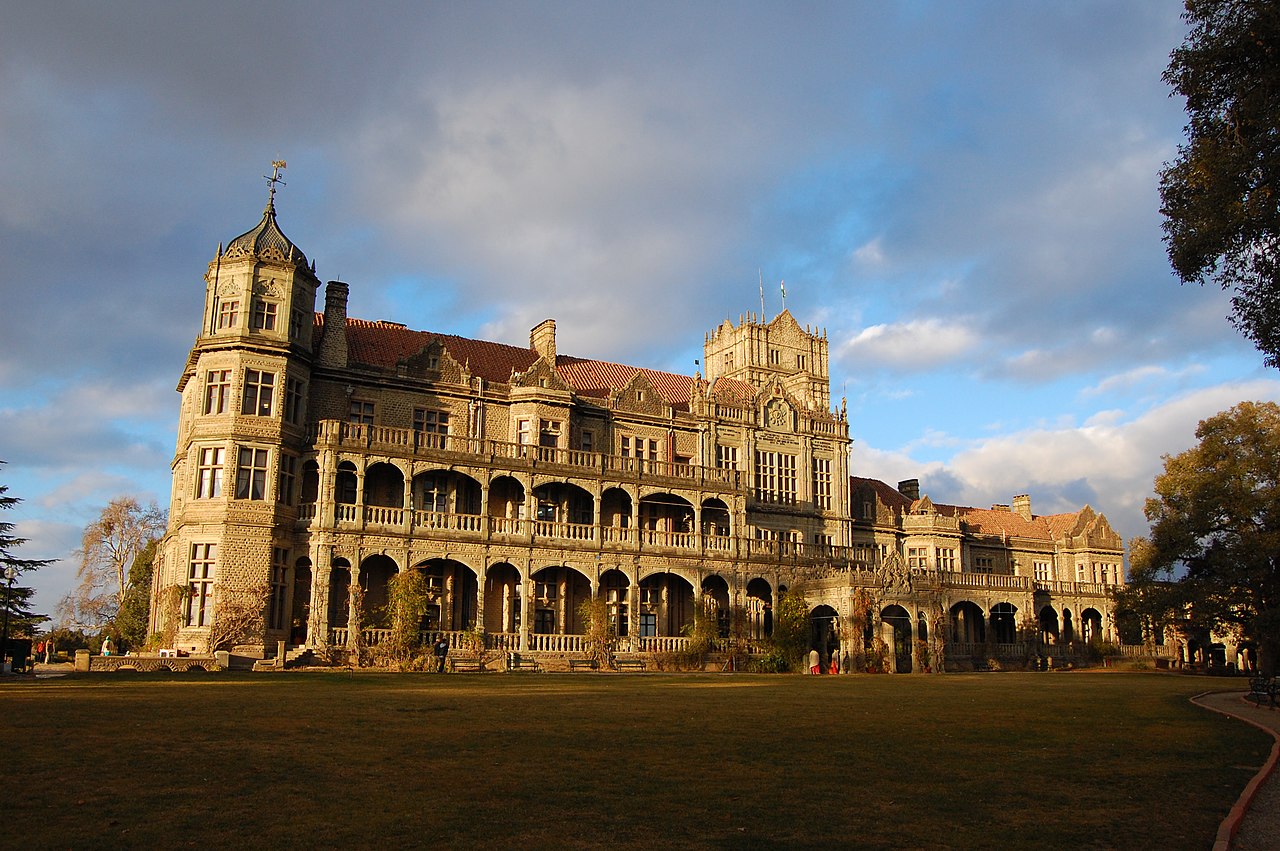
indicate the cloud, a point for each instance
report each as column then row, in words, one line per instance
column 913, row 345
column 1110, row 462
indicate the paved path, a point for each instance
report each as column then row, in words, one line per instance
column 1254, row 822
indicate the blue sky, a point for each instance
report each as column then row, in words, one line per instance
column 963, row 194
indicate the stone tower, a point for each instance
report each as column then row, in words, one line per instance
column 241, row 432
column 755, row 352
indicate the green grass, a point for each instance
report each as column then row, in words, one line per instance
column 335, row 760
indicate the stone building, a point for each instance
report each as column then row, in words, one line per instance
column 317, row 451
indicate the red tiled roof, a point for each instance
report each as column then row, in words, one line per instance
column 887, row 493
column 384, row 344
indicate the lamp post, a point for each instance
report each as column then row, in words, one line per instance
column 10, row 574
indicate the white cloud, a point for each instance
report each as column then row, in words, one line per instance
column 913, row 345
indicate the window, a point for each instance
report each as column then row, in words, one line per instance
column 228, row 314
column 544, row 590
column 279, row 573
column 544, row 622
column 588, row 441
column 435, row 494
column 648, row 624
column 294, row 392
column 209, row 472
column 801, row 362
column 549, row 433
column 287, row 479
column 200, row 584
column 524, row 432
column 361, row 413
column 1080, row 572
column 822, row 483
column 946, row 558
column 917, row 558
column 264, row 315
column 775, row 357
column 776, row 477
column 822, row 540
column 616, row 600
column 727, row 457
column 251, row 474
column 259, row 387
column 1041, row 571
column 217, row 390
column 430, row 427
column 984, row 564
column 728, row 362
column 297, row 318
column 650, row 596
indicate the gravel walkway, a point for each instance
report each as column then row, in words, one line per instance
column 1254, row 822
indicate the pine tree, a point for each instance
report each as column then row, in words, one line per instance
column 16, row 599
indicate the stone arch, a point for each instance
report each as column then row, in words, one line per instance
column 346, row 484
column 824, row 635
column 896, row 630
column 502, row 597
column 339, row 593
column 759, row 608
column 1068, row 627
column 451, row 589
column 1049, row 633
column 310, row 491
column 384, row 485
column 563, row 502
column 1004, row 623
column 506, row 504
column 615, row 588
column 558, row 592
column 1090, row 625
column 300, row 614
column 717, row 520
column 663, row 515
column 968, row 626
column 615, row 509
column 666, row 604
column 375, row 578
column 445, row 492
column 716, row 600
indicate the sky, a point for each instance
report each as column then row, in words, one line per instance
column 962, row 194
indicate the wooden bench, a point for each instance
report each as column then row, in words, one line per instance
column 589, row 664
column 466, row 664
column 1260, row 689
column 515, row 663
column 629, row 665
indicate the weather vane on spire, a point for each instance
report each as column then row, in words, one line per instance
column 275, row 178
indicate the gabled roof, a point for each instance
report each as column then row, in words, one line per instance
column 383, row 345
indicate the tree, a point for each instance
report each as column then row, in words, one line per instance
column 791, row 628
column 132, row 621
column 108, row 548
column 1212, row 561
column 1220, row 197
column 599, row 638
column 16, row 600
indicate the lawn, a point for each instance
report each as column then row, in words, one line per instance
column 574, row 760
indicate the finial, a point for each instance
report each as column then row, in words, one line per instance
column 275, row 178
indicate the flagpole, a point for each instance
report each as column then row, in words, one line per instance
column 761, row 273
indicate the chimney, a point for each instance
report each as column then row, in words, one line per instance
column 542, row 339
column 333, row 345
column 910, row 488
column 1022, row 506
column 999, row 506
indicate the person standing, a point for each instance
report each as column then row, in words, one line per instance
column 441, row 650
column 815, row 662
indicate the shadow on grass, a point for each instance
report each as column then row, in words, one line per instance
column 334, row 760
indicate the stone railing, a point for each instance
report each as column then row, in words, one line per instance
column 403, row 441
column 86, row 662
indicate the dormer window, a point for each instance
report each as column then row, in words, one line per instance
column 228, row 314
column 264, row 315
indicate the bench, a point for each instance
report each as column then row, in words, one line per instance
column 589, row 664
column 629, row 665
column 515, row 663
column 1260, row 689
column 461, row 664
